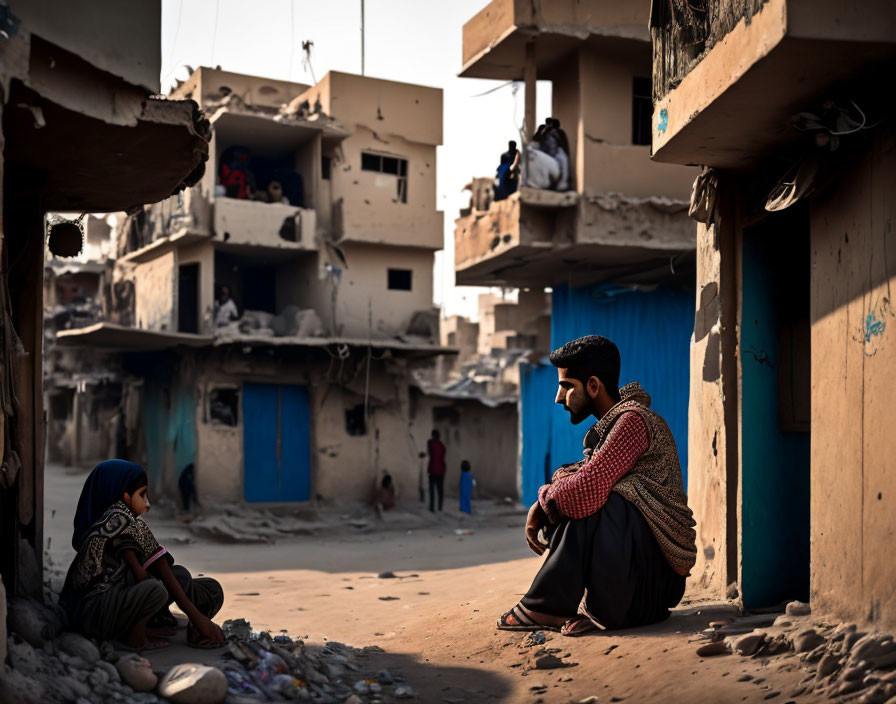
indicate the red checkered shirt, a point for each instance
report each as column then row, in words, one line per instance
column 582, row 489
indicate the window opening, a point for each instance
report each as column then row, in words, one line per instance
column 223, row 406
column 394, row 166
column 188, row 298
column 399, row 279
column 355, row 422
column 642, row 110
column 325, row 166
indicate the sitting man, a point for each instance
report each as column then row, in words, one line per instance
column 620, row 530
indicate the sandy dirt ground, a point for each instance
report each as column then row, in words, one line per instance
column 435, row 620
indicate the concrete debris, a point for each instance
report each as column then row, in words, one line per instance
column 252, row 667
column 718, row 647
column 194, row 684
column 32, row 621
column 136, row 672
column 797, row 608
column 842, row 661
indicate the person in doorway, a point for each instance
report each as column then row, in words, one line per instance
column 466, row 487
column 225, row 309
column 436, row 470
column 617, row 525
column 121, row 582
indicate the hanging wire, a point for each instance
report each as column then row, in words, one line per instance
column 215, row 32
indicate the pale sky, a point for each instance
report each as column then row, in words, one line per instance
column 416, row 41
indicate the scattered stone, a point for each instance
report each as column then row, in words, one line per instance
column 73, row 687
column 849, row 687
column 189, row 683
column 385, row 677
column 718, row 624
column 876, row 695
column 78, row 646
column 238, row 628
column 16, row 688
column 797, row 608
column 353, row 699
column 534, row 638
column 136, row 673
column 771, row 695
column 386, row 575
column 749, row 643
column 732, row 592
column 31, row 620
column 589, row 700
column 855, row 672
column 22, row 656
column 827, row 666
column 549, row 661
column 783, row 621
column 403, row 692
column 719, row 647
column 879, row 650
column 807, row 640
column 745, row 678
column 389, row 598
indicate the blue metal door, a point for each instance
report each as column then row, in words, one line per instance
column 276, row 443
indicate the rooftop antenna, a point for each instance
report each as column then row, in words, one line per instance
column 306, row 61
column 362, row 37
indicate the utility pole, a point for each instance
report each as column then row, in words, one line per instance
column 362, row 37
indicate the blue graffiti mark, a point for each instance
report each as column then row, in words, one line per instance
column 873, row 326
column 9, row 23
column 663, row 123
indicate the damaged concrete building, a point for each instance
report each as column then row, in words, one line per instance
column 82, row 130
column 616, row 246
column 786, row 104
column 282, row 304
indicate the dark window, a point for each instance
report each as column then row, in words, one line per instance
column 325, row 162
column 188, row 298
column 400, row 279
column 389, row 165
column 355, row 423
column 223, row 406
column 642, row 110
column 371, row 162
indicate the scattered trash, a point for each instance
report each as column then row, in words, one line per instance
column 464, row 531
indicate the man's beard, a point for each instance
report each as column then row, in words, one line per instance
column 576, row 417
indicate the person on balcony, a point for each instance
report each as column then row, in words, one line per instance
column 507, row 176
column 225, row 309
column 618, row 528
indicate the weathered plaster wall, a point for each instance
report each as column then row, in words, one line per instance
column 363, row 302
column 853, row 357
column 486, row 437
column 258, row 224
column 205, row 86
column 156, row 293
column 343, row 466
column 370, row 208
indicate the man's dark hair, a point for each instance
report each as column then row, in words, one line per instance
column 435, row 434
column 511, row 144
column 590, row 356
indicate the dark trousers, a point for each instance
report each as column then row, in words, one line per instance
column 613, row 560
column 205, row 593
column 436, row 484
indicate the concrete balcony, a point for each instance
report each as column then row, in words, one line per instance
column 733, row 105
column 494, row 40
column 542, row 238
column 248, row 223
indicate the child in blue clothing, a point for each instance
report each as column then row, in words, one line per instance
column 466, row 487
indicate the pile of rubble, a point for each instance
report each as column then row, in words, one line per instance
column 842, row 660
column 47, row 664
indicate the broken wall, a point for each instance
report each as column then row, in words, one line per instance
column 155, row 285
column 370, row 209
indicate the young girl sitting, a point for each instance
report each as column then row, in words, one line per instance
column 112, row 590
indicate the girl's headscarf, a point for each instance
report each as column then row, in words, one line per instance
column 105, row 485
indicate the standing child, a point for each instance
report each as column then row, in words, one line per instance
column 466, row 487
column 121, row 578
